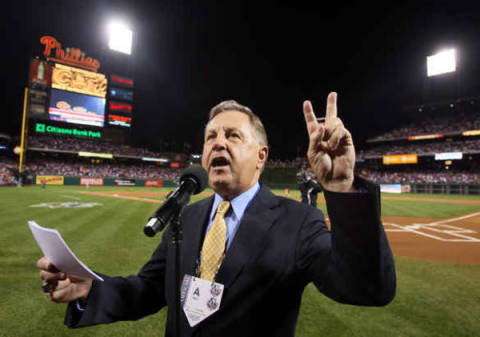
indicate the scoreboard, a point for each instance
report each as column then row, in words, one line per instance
column 65, row 87
column 72, row 95
column 120, row 108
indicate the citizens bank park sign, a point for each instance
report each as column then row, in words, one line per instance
column 72, row 56
column 56, row 130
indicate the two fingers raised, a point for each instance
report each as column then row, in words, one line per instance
column 328, row 135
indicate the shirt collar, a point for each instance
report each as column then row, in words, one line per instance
column 239, row 203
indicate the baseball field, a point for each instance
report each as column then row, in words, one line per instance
column 435, row 240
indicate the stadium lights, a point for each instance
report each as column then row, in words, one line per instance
column 441, row 63
column 120, row 37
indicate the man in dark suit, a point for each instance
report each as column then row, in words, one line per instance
column 273, row 246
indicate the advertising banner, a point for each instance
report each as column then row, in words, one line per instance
column 153, row 183
column 400, row 159
column 121, row 94
column 50, row 180
column 448, row 155
column 119, row 107
column 121, row 81
column 390, row 188
column 87, row 181
column 56, row 130
column 119, row 120
column 124, row 182
column 40, row 74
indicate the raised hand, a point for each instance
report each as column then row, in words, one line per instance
column 330, row 151
column 61, row 287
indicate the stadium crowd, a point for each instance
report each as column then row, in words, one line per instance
column 77, row 144
column 453, row 122
column 464, row 146
column 7, row 169
column 70, row 167
column 112, row 170
column 424, row 177
column 77, row 167
column 277, row 163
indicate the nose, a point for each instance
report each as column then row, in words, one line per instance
column 219, row 142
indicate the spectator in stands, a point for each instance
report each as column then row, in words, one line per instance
column 431, row 148
column 7, row 168
column 421, row 177
column 78, row 144
column 449, row 122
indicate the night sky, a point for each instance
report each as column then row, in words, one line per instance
column 190, row 55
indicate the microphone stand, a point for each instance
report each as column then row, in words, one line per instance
column 177, row 240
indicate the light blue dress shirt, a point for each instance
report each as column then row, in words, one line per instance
column 234, row 216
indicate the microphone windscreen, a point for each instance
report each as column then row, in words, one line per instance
column 198, row 173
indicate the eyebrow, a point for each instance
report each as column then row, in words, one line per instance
column 227, row 129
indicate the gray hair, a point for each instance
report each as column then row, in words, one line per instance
column 255, row 122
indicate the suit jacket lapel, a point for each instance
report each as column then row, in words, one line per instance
column 193, row 231
column 256, row 221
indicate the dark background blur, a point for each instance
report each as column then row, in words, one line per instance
column 188, row 56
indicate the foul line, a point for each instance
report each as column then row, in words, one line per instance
column 457, row 232
column 455, row 219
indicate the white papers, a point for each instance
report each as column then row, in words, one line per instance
column 56, row 250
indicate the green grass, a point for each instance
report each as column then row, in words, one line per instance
column 433, row 299
column 417, row 208
column 422, row 209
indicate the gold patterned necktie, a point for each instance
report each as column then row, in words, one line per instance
column 214, row 244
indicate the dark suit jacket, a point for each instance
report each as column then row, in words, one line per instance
column 281, row 245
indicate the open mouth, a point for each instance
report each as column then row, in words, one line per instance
column 219, row 162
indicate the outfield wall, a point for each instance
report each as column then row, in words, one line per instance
column 271, row 180
column 445, row 188
column 279, row 177
column 95, row 181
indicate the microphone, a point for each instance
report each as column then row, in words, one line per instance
column 192, row 181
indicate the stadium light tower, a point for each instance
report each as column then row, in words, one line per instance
column 442, row 62
column 120, row 37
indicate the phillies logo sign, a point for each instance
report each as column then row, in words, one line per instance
column 71, row 56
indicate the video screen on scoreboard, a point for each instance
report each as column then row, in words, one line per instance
column 118, row 120
column 76, row 108
column 79, row 81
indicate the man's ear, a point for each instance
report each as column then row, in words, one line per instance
column 262, row 156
